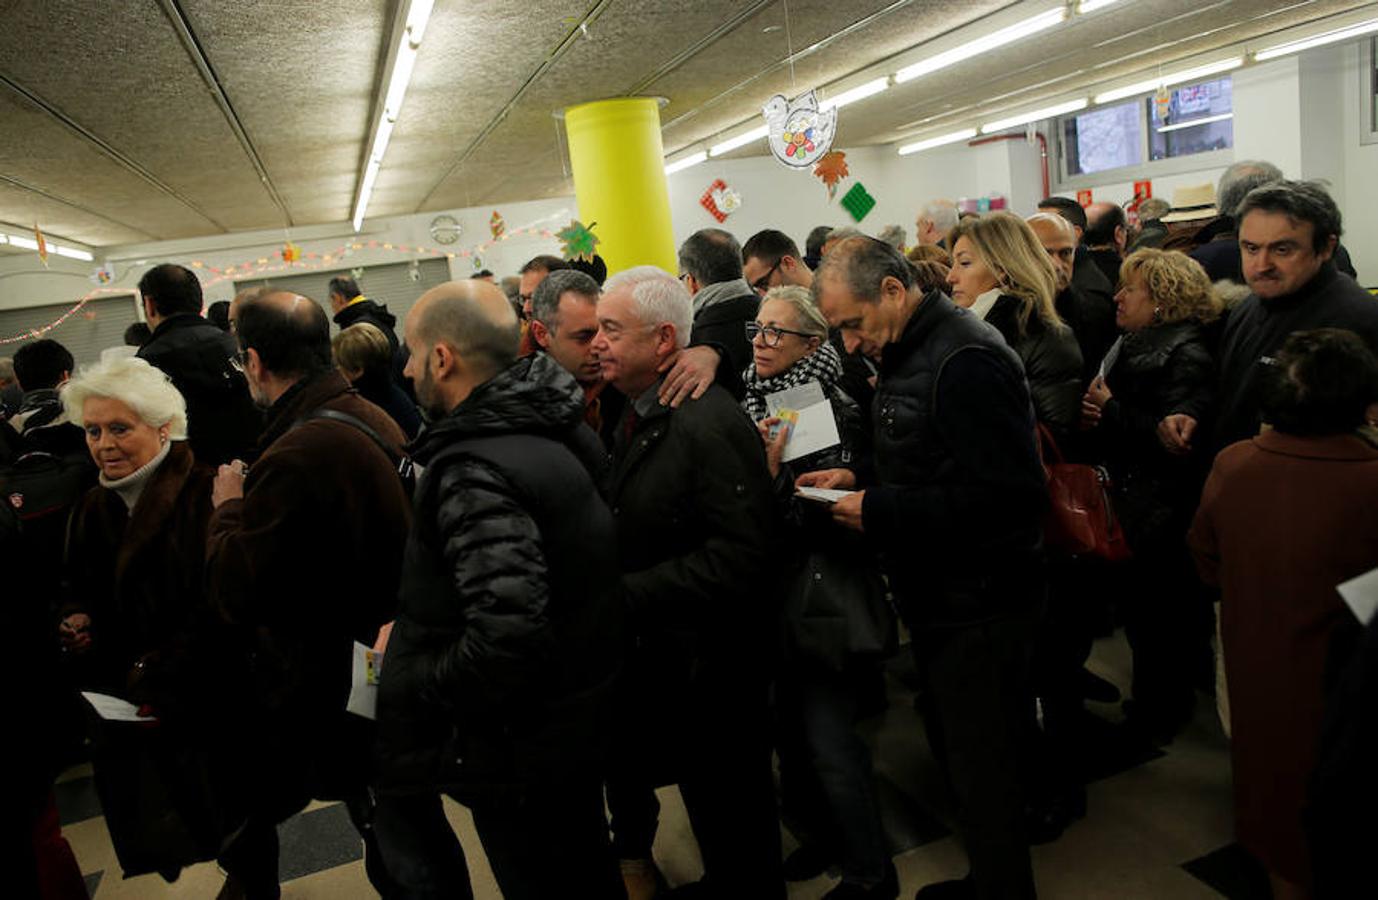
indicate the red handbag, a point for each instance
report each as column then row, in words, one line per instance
column 1081, row 519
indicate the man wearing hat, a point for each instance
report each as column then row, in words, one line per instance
column 1152, row 231
column 1193, row 207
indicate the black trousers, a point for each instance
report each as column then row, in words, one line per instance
column 1169, row 623
column 977, row 711
column 541, row 841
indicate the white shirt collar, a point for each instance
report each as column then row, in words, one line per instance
column 983, row 303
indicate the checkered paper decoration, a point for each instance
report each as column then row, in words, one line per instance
column 708, row 202
column 858, row 202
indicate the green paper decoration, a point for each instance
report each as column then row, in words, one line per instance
column 858, row 202
column 578, row 240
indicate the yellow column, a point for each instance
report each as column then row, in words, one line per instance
column 619, row 181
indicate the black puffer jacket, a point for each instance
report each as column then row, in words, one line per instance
column 377, row 314
column 1052, row 364
column 1160, row 371
column 509, row 633
column 1092, row 321
column 222, row 421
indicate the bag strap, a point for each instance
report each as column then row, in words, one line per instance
column 1047, row 445
column 400, row 462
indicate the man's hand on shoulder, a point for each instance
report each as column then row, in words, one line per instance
column 691, row 370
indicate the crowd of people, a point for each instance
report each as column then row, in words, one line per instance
column 569, row 519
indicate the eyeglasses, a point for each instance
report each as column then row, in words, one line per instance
column 771, row 334
column 762, row 284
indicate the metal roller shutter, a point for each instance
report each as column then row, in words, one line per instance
column 99, row 324
column 389, row 284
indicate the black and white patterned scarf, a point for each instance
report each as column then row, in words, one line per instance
column 822, row 365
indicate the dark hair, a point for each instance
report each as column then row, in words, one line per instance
column 863, row 263
column 545, row 300
column 40, row 364
column 137, row 334
column 1322, row 382
column 1070, row 210
column 594, row 268
column 219, row 313
column 346, row 287
column 712, row 256
column 770, row 246
column 172, row 288
column 813, row 244
column 547, row 262
column 484, row 273
column 1302, row 201
column 290, row 340
column 930, row 274
column 1102, row 230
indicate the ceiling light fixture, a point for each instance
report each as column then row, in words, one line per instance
column 1192, row 123
column 1152, row 84
column 965, row 134
column 26, row 243
column 403, row 60
column 1030, row 26
column 1034, row 116
column 861, row 92
column 1087, row 6
column 1320, row 40
column 741, row 140
column 680, row 165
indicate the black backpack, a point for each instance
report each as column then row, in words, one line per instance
column 42, row 488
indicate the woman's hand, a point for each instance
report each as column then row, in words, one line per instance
column 75, row 632
column 775, row 445
column 828, row 479
column 1098, row 393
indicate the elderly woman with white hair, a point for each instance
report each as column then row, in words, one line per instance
column 136, row 623
column 837, row 624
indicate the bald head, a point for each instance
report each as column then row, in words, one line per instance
column 1059, row 239
column 290, row 333
column 471, row 317
column 1106, row 225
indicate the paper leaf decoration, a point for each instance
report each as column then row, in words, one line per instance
column 798, row 133
column 42, row 245
column 578, row 240
column 497, row 225
column 831, row 169
column 858, row 202
column 290, row 253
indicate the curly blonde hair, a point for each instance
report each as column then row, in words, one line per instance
column 1014, row 255
column 1180, row 288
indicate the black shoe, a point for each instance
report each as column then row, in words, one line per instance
column 1094, row 687
column 960, row 889
column 1155, row 725
column 888, row 888
column 807, row 862
column 1044, row 822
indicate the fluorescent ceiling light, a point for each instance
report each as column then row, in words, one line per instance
column 3, row 239
column 869, row 89
column 680, row 165
column 1320, row 40
column 965, row 134
column 1152, row 84
column 72, row 253
column 1033, row 25
column 740, row 140
column 26, row 243
column 1087, row 6
column 1191, row 123
column 1034, row 116
column 398, row 78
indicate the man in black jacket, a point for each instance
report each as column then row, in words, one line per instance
column 1092, row 320
column 508, row 637
column 691, row 494
column 351, row 307
column 1107, row 232
column 710, row 266
column 201, row 360
column 1087, row 277
column 1288, row 232
column 957, row 518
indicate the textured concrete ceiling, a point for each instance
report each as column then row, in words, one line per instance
column 111, row 130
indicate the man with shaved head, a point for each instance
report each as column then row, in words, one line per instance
column 1091, row 319
column 956, row 514
column 306, row 551
column 1107, row 233
column 1086, row 275
column 508, row 636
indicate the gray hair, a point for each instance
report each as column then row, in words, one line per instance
column 862, row 263
column 712, row 256
column 1239, row 179
column 892, row 235
column 806, row 312
column 942, row 213
column 659, row 298
column 136, row 384
column 838, row 235
column 545, row 301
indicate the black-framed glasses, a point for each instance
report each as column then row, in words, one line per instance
column 762, row 284
column 770, row 333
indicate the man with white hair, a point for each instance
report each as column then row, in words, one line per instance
column 691, row 494
column 935, row 220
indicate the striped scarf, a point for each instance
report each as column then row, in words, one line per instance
column 823, row 365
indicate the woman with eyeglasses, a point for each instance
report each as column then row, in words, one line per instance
column 837, row 624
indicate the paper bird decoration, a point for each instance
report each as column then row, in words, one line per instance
column 578, row 240
column 832, row 168
column 42, row 245
column 290, row 253
column 798, row 133
column 497, row 225
column 858, row 202
column 103, row 275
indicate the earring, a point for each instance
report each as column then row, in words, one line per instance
column 1157, row 314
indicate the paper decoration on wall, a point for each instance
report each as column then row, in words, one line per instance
column 799, row 135
column 356, row 274
column 42, row 245
column 497, row 225
column 720, row 200
column 414, row 270
column 1163, row 101
column 290, row 253
column 858, row 202
column 831, row 169
column 104, row 275
column 578, row 240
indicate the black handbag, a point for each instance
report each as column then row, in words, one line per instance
column 838, row 612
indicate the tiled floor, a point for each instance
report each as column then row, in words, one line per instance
column 1158, row 824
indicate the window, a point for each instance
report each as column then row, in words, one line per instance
column 1101, row 139
column 1197, row 118
column 1368, row 91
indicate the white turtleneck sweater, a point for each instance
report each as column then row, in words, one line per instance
column 981, row 308
column 132, row 485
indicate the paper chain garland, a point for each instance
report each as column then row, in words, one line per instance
column 265, row 265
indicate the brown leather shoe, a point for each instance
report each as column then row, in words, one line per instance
column 642, row 879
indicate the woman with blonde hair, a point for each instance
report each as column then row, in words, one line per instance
column 364, row 356
column 1002, row 274
column 1160, row 367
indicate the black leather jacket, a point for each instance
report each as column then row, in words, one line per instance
column 1052, row 363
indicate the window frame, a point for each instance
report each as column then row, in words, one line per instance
column 1150, row 168
column 1368, row 91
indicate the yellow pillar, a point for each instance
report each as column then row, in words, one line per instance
column 619, row 181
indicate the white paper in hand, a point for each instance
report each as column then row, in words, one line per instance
column 813, row 426
column 822, row 495
column 113, row 709
column 1361, row 595
column 363, row 691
